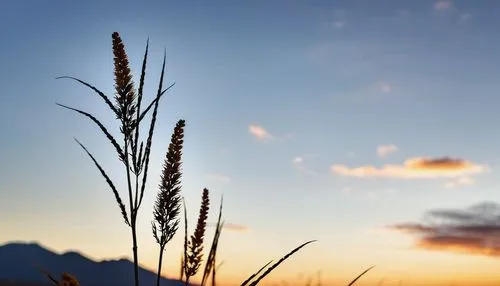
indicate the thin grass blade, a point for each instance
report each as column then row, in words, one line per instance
column 110, row 183
column 154, row 102
column 213, row 249
column 359, row 276
column 149, row 141
column 279, row 262
column 255, row 274
column 135, row 158
column 215, row 270
column 110, row 137
column 143, row 70
column 100, row 93
column 47, row 274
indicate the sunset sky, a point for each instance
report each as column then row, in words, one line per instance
column 370, row 126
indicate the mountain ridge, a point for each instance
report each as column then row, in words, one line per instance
column 22, row 262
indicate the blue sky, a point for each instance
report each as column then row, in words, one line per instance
column 301, row 113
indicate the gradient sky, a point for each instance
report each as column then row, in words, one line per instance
column 348, row 122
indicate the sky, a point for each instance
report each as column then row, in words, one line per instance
column 369, row 126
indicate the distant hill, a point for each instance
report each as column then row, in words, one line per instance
column 18, row 263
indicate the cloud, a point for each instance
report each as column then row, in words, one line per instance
column 338, row 24
column 441, row 5
column 474, row 231
column 384, row 150
column 259, row 132
column 371, row 195
column 403, row 13
column 299, row 163
column 390, row 191
column 347, row 190
column 462, row 181
column 232, row 227
column 465, row 16
column 414, row 168
column 219, row 178
column 235, row 227
column 384, row 87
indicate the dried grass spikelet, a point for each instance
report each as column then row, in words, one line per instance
column 195, row 245
column 125, row 95
column 68, row 280
column 167, row 205
column 168, row 201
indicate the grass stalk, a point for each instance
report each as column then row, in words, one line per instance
column 133, row 155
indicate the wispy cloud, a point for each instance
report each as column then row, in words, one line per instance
column 414, row 168
column 219, row 178
column 232, row 227
column 236, row 227
column 347, row 190
column 462, row 181
column 403, row 13
column 441, row 5
column 259, row 132
column 475, row 230
column 262, row 134
column 299, row 163
column 338, row 24
column 384, row 87
column 371, row 92
column 371, row 195
column 390, row 191
column 465, row 16
column 384, row 150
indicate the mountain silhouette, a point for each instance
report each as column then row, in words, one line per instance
column 19, row 262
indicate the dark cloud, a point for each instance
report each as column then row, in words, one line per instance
column 441, row 163
column 475, row 230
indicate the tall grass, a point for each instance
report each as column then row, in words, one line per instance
column 133, row 150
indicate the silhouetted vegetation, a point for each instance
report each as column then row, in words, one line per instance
column 135, row 153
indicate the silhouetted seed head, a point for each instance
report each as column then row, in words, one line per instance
column 167, row 205
column 124, row 86
column 195, row 245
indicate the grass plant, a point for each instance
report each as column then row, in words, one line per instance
column 133, row 150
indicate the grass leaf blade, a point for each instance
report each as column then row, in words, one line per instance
column 149, row 141
column 110, row 183
column 101, row 126
column 100, row 93
column 279, row 262
column 213, row 249
column 359, row 276
column 255, row 274
column 154, row 102
column 136, row 159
